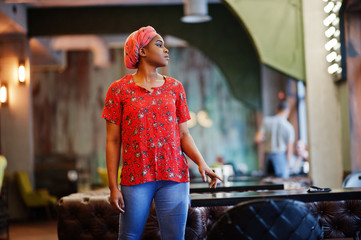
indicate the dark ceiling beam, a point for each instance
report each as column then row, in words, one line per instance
column 224, row 39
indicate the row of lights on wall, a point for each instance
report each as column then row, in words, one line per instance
column 333, row 45
column 21, row 76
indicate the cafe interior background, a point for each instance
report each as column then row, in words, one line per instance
column 235, row 67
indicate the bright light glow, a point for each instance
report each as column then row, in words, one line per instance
column 332, row 8
column 193, row 121
column 333, row 68
column 330, row 44
column 21, row 73
column 329, row 7
column 338, row 58
column 332, row 56
column 336, row 22
column 3, row 94
column 329, row 19
column 329, row 32
column 195, row 19
column 203, row 119
column 337, row 7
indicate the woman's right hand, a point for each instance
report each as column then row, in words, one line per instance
column 116, row 200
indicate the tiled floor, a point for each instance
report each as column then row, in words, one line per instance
column 35, row 230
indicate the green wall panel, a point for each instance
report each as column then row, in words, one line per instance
column 277, row 30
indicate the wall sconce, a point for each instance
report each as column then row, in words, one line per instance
column 4, row 94
column 195, row 11
column 201, row 117
column 21, row 72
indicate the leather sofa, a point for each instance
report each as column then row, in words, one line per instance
column 89, row 216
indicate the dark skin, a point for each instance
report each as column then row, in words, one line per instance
column 153, row 56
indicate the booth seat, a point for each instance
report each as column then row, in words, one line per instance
column 89, row 216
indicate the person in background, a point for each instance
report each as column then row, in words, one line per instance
column 299, row 163
column 278, row 136
column 146, row 113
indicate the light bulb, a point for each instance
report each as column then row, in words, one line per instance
column 329, row 19
column 333, row 68
column 21, row 73
column 3, row 94
column 329, row 7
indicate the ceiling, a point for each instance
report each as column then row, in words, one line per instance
column 76, row 3
column 8, row 26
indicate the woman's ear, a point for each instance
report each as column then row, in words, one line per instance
column 142, row 52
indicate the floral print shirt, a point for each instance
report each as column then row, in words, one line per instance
column 149, row 129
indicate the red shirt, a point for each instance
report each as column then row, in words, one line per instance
column 149, row 129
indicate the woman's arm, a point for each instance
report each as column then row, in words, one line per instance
column 112, row 158
column 259, row 137
column 190, row 148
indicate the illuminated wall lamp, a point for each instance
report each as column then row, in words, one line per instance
column 4, row 94
column 21, row 72
column 201, row 117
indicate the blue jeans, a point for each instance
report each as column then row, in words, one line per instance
column 171, row 203
column 279, row 162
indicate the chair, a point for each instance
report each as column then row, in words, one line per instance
column 352, row 180
column 270, row 219
column 33, row 198
column 3, row 164
column 4, row 209
column 103, row 174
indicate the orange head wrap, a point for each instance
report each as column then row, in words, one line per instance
column 137, row 40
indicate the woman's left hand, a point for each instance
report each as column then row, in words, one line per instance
column 205, row 171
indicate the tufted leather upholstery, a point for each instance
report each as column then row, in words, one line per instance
column 89, row 216
column 267, row 219
column 339, row 219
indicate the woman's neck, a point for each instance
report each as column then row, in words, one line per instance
column 147, row 74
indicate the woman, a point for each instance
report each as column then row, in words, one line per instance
column 146, row 113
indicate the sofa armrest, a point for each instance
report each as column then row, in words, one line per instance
column 82, row 216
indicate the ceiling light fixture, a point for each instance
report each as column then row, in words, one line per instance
column 195, row 11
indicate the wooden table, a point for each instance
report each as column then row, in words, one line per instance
column 228, row 199
column 234, row 186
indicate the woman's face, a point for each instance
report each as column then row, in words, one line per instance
column 156, row 53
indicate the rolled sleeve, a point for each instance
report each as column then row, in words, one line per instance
column 113, row 109
column 181, row 105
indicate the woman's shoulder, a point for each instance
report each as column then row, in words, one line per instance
column 173, row 81
column 120, row 83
